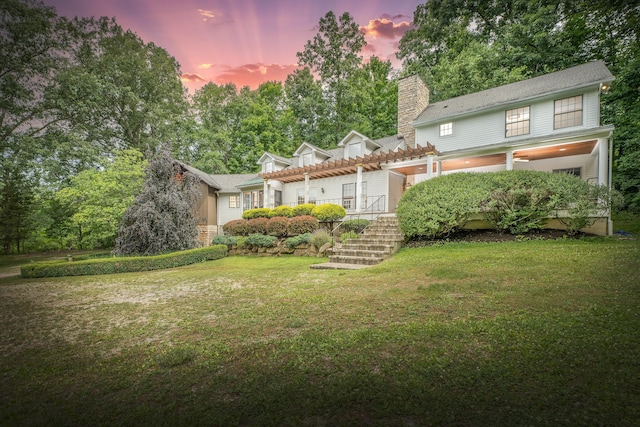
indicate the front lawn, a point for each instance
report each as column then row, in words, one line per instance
column 517, row 333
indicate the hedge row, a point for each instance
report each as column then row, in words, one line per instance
column 511, row 201
column 124, row 264
column 278, row 226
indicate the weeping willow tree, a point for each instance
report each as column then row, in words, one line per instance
column 163, row 217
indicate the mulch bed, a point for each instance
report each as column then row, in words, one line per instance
column 494, row 236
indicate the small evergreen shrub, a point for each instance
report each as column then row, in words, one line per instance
column 283, row 210
column 302, row 224
column 328, row 212
column 303, row 209
column 355, row 225
column 292, row 242
column 257, row 225
column 319, row 238
column 348, row 235
column 123, row 265
column 260, row 240
column 256, row 213
column 224, row 240
column 277, row 226
column 237, row 227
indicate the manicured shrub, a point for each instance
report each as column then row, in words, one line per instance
column 123, row 265
column 237, row 227
column 224, row 240
column 328, row 212
column 303, row 209
column 283, row 210
column 292, row 242
column 302, row 224
column 348, row 235
column 442, row 205
column 319, row 238
column 277, row 226
column 355, row 225
column 260, row 240
column 257, row 225
column 256, row 213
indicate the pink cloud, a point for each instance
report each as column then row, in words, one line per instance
column 385, row 28
column 253, row 75
column 191, row 77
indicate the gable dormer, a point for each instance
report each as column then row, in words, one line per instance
column 356, row 144
column 308, row 154
column 271, row 163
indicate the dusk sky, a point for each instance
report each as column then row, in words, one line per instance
column 245, row 42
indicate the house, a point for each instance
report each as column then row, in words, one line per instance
column 547, row 123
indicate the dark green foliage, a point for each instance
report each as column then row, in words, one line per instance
column 237, row 227
column 283, row 210
column 163, row 216
column 224, row 240
column 277, row 226
column 123, row 265
column 260, row 240
column 257, row 225
column 256, row 213
column 303, row 209
column 355, row 225
column 441, row 205
column 292, row 242
column 16, row 201
column 511, row 201
column 328, row 212
column 302, row 224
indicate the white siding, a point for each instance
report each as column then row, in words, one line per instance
column 225, row 213
column 489, row 128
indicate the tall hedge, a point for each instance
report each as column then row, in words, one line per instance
column 511, row 201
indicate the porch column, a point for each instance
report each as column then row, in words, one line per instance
column 430, row 166
column 509, row 160
column 603, row 162
column 265, row 193
column 358, row 188
column 439, row 168
column 306, row 187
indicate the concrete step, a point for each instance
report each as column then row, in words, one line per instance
column 354, row 245
column 364, row 253
column 346, row 259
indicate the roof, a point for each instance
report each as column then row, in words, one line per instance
column 313, row 147
column 585, row 75
column 229, row 183
column 203, row 176
column 275, row 157
column 253, row 181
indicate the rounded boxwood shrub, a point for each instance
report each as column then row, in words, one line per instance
column 237, row 227
column 328, row 212
column 303, row 209
column 256, row 213
column 257, row 225
column 260, row 240
column 283, row 210
column 277, row 226
column 302, row 224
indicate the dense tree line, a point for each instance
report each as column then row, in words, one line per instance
column 80, row 98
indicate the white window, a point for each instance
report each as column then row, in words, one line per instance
column 567, row 112
column 446, row 129
column 307, row 159
column 517, row 121
column 234, row 201
column 268, row 167
column 354, row 150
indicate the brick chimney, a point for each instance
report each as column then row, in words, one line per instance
column 413, row 98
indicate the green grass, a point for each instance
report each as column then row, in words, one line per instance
column 519, row 333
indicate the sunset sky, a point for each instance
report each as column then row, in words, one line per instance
column 245, row 42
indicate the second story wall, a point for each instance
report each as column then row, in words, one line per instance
column 489, row 127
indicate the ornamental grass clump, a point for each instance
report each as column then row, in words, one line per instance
column 319, row 238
